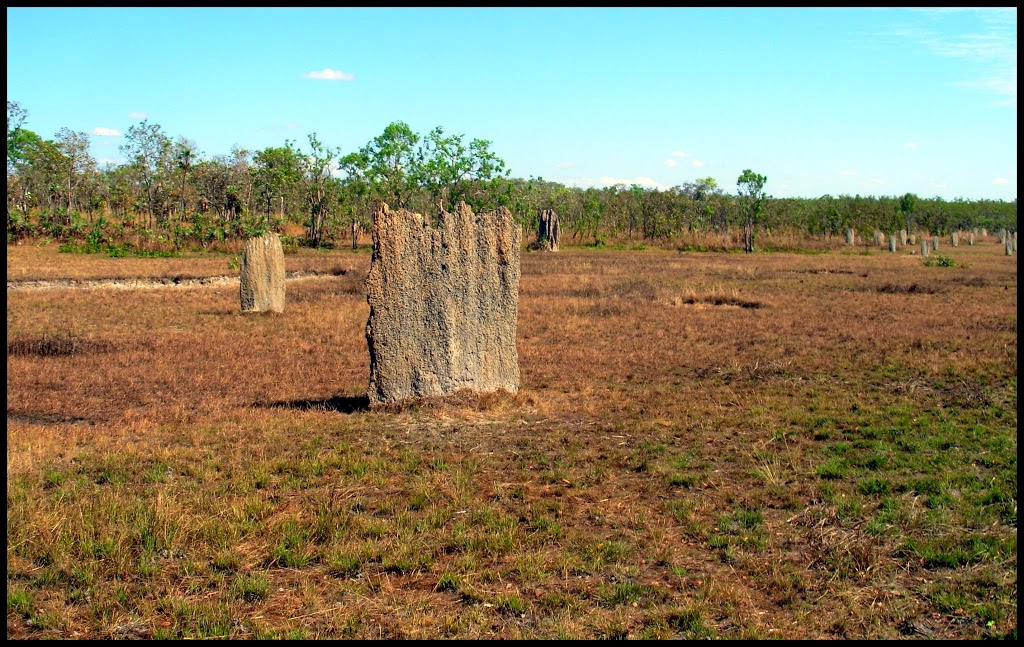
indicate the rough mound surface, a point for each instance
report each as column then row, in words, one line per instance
column 443, row 303
column 262, row 276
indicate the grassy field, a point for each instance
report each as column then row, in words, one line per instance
column 705, row 445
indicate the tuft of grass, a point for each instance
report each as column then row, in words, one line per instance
column 251, row 587
column 19, row 601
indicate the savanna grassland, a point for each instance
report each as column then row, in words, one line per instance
column 705, row 445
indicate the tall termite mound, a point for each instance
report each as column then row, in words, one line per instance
column 547, row 230
column 261, row 277
column 443, row 303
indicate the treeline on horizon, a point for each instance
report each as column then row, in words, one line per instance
column 167, row 194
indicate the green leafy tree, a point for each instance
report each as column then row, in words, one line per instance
column 750, row 187
column 74, row 146
column 356, row 195
column 16, row 118
column 146, row 145
column 316, row 167
column 184, row 158
column 908, row 205
column 450, row 170
column 24, row 148
column 242, row 181
column 700, row 192
column 212, row 178
column 390, row 164
column 277, row 173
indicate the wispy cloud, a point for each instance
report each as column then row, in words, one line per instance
column 1001, row 181
column 697, row 163
column 938, row 185
column 679, row 154
column 991, row 47
column 106, row 132
column 671, row 163
column 138, row 115
column 846, row 173
column 327, row 74
column 873, row 182
column 911, row 145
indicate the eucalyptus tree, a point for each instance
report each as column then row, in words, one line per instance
column 90, row 188
column 277, row 173
column 185, row 154
column 750, row 187
column 616, row 208
column 450, row 169
column 25, row 149
column 908, row 205
column 316, row 167
column 74, row 146
column 115, row 187
column 239, row 194
column 16, row 118
column 701, row 191
column 391, row 160
column 44, row 171
column 355, row 197
column 591, row 213
column 146, row 147
column 211, row 179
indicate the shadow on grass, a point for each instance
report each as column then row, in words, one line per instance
column 340, row 404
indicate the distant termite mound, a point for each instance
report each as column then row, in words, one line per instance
column 443, row 303
column 547, row 230
column 262, row 276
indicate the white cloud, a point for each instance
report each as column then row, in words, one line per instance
column 646, row 181
column 106, row 132
column 671, row 163
column 327, row 74
column 938, row 185
column 1002, row 181
column 874, row 182
column 138, row 115
column 608, row 180
column 697, row 163
column 846, row 173
column 679, row 154
column 911, row 145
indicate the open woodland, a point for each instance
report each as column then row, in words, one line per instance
column 812, row 443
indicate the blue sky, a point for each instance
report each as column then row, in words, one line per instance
column 840, row 101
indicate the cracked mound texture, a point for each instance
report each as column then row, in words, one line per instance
column 443, row 303
column 261, row 278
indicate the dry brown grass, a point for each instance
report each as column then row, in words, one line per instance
column 704, row 445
